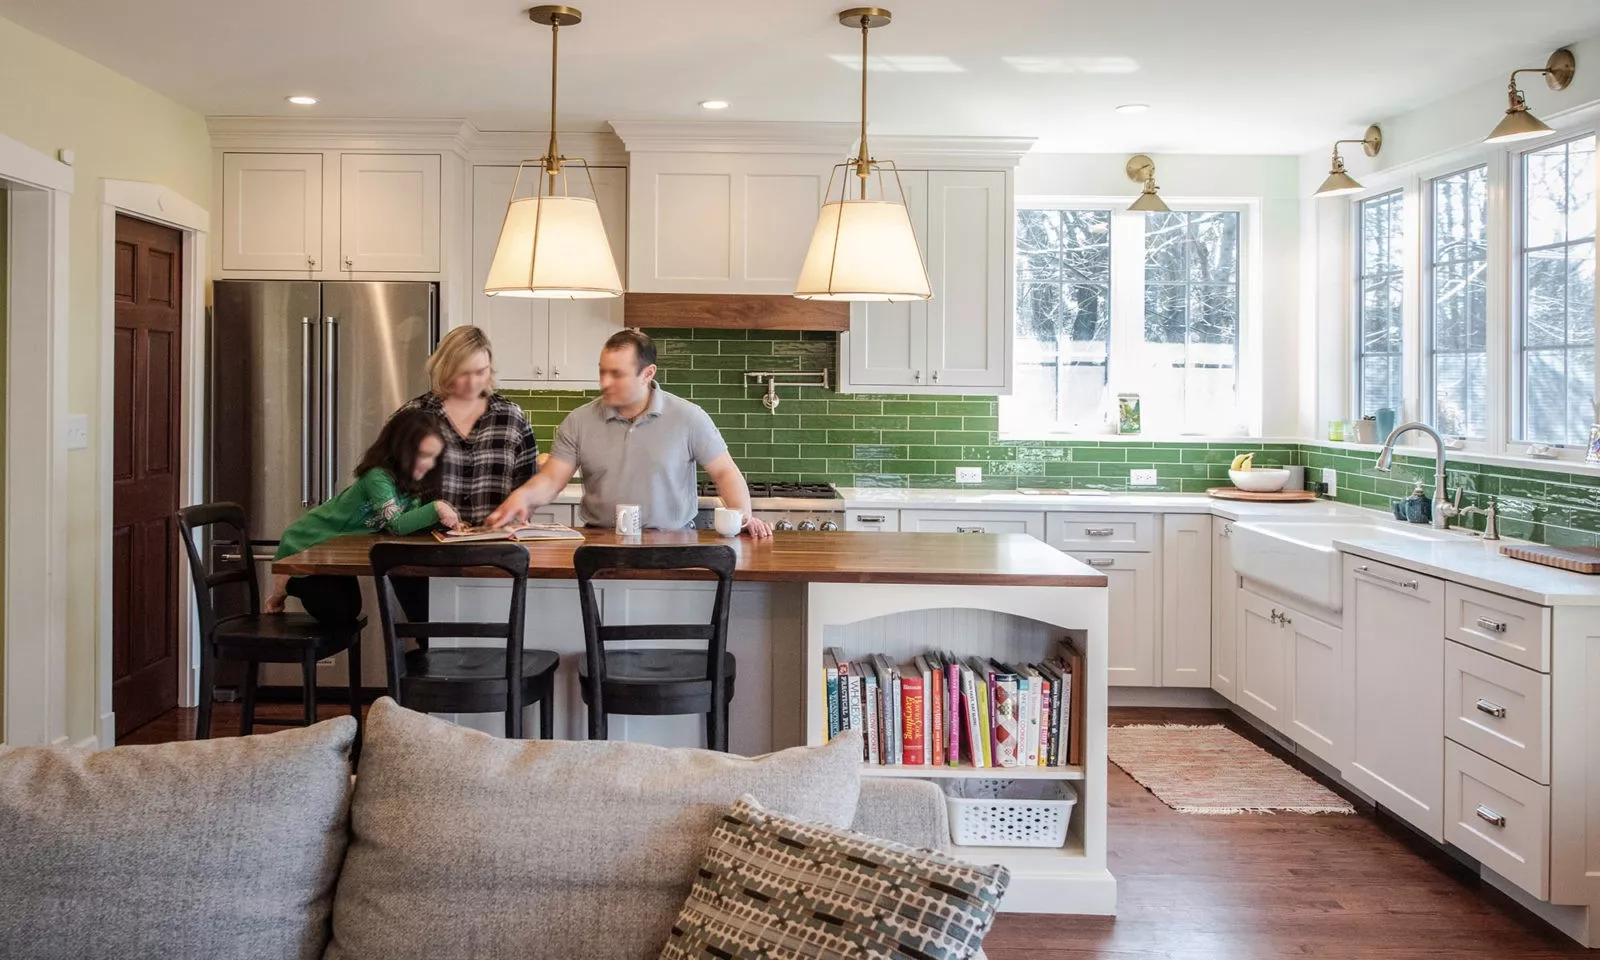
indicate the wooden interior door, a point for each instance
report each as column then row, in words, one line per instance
column 145, row 469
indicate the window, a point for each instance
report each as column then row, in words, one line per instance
column 1456, row 323
column 1555, row 308
column 1063, row 335
column 1380, row 288
column 1159, row 317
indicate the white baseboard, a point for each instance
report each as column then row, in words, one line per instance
column 108, row 730
column 1185, row 697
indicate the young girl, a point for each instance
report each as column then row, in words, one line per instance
column 393, row 493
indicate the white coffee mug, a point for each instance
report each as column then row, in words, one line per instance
column 728, row 521
column 628, row 519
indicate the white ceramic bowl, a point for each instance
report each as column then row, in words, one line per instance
column 1260, row 479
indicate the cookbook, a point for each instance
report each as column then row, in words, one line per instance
column 528, row 531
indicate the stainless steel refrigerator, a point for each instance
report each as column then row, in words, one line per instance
column 303, row 376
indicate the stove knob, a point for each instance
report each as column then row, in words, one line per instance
column 828, row 526
column 808, row 525
column 783, row 525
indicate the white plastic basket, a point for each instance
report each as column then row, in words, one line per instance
column 1009, row 813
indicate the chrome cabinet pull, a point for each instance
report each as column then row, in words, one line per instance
column 1227, row 530
column 935, row 376
column 1098, row 532
column 1493, row 626
column 1100, row 562
column 1491, row 708
column 1489, row 816
column 1407, row 584
column 961, row 529
column 871, row 518
column 917, row 376
column 349, row 263
column 307, row 340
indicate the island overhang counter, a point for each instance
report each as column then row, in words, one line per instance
column 1006, row 596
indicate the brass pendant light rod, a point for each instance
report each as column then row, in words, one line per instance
column 867, row 18
column 554, row 16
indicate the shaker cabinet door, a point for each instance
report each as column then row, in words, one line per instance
column 272, row 211
column 389, row 213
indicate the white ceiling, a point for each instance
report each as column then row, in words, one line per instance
column 1222, row 76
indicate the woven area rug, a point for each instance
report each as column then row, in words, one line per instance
column 1212, row 770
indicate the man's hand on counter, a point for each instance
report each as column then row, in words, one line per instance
column 757, row 528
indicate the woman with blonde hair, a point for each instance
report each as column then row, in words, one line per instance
column 489, row 449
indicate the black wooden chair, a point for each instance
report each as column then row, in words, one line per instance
column 255, row 637
column 655, row 681
column 481, row 679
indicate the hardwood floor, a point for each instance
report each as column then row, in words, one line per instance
column 1230, row 888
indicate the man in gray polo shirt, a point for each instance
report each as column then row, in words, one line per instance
column 635, row 443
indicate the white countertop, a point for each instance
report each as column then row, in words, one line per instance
column 1459, row 557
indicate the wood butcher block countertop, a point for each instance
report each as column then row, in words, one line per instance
column 1011, row 559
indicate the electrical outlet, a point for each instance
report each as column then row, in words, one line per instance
column 969, row 474
column 1330, row 479
column 1141, row 478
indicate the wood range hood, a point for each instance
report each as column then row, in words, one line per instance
column 733, row 311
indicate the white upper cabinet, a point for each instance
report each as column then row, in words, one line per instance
column 722, row 222
column 389, row 213
column 544, row 343
column 958, row 342
column 272, row 211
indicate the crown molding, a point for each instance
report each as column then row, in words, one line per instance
column 733, row 136
column 333, row 133
column 950, row 153
column 507, row 147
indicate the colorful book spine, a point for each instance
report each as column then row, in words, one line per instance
column 980, row 680
column 1045, row 716
column 874, row 729
column 830, row 686
column 858, row 720
column 911, row 712
column 953, row 687
column 973, row 708
column 1034, row 704
column 932, row 686
column 1003, row 690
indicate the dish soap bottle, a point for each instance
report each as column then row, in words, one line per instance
column 1418, row 508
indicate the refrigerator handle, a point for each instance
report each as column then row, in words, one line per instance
column 307, row 344
column 330, row 407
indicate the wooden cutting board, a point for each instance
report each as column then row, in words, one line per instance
column 1276, row 496
column 1576, row 559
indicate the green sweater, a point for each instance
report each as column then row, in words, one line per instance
column 370, row 505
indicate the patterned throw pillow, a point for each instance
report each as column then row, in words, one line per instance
column 777, row 888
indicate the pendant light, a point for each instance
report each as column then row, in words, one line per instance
column 1339, row 182
column 1141, row 169
column 1518, row 123
column 553, row 245
column 863, row 249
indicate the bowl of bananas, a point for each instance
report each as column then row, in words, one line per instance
column 1247, row 476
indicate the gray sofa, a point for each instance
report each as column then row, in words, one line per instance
column 449, row 844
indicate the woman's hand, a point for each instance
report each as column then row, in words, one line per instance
column 514, row 511
column 275, row 602
column 447, row 514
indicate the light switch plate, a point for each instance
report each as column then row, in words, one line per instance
column 77, row 431
column 969, row 474
column 1141, row 478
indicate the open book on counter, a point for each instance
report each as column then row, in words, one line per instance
column 529, row 531
column 947, row 710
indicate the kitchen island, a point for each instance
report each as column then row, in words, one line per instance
column 1006, row 596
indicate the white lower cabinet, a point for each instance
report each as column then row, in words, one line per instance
column 1265, row 651
column 1498, row 817
column 1186, row 600
column 1498, row 709
column 1131, row 595
column 976, row 521
column 1224, row 612
column 1394, row 677
column 1319, row 713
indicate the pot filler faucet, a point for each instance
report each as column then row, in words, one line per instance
column 1443, row 509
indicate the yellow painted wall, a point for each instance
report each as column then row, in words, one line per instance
column 52, row 98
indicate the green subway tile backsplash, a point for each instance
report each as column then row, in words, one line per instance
column 895, row 440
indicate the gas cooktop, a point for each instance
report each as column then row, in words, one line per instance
column 762, row 490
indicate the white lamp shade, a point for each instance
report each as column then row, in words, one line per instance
column 863, row 250
column 553, row 247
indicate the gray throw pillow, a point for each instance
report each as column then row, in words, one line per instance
column 774, row 887
column 465, row 845
column 212, row 850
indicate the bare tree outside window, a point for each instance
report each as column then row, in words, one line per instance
column 1555, row 335
column 1063, row 326
column 1190, row 355
column 1380, row 290
column 1457, row 323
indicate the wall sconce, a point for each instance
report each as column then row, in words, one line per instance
column 1141, row 169
column 1518, row 123
column 1339, row 182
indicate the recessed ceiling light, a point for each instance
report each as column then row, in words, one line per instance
column 714, row 104
column 302, row 101
column 1133, row 107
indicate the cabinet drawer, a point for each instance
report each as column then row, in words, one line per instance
column 1499, row 817
column 882, row 521
column 1507, row 628
column 1499, row 709
column 972, row 521
column 1132, row 532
